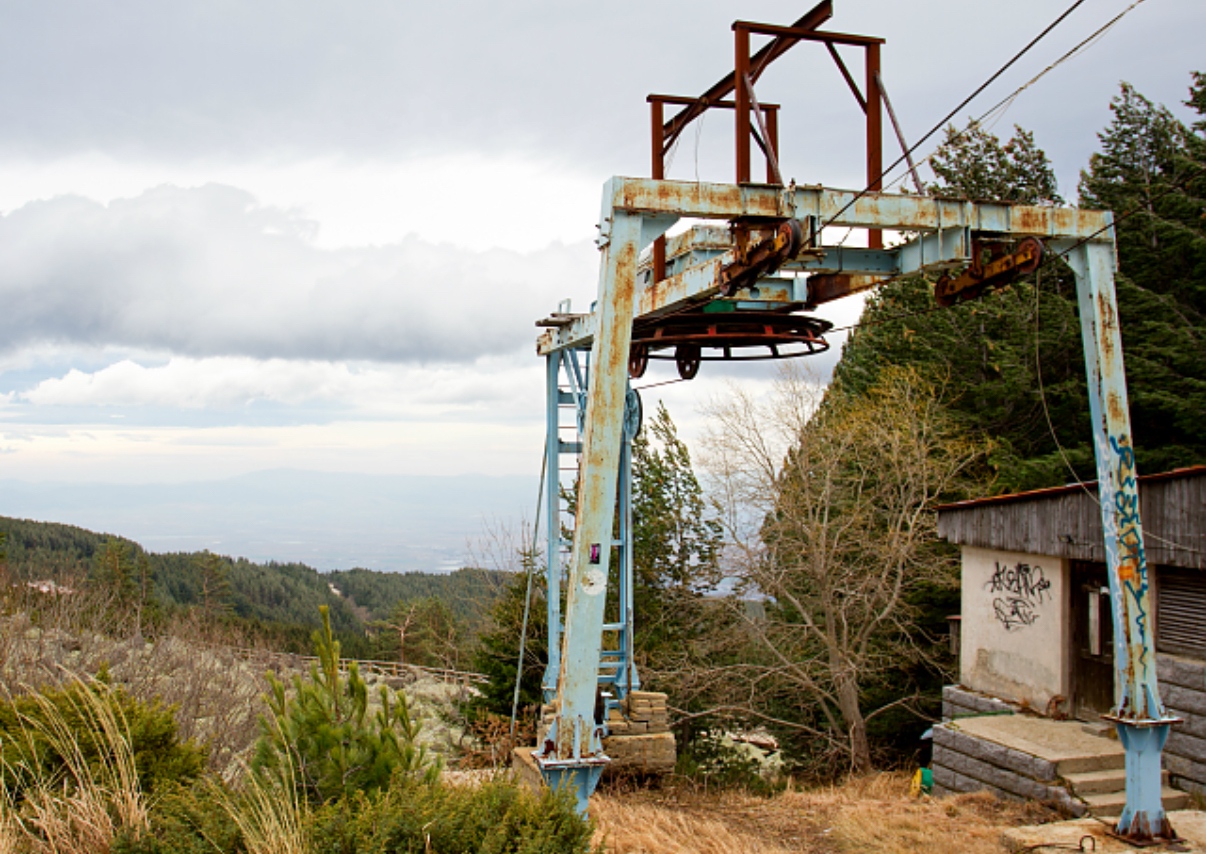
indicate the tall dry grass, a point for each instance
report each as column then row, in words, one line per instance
column 10, row 830
column 269, row 811
column 81, row 808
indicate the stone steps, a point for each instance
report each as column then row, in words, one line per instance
column 1094, row 763
column 1102, row 782
column 1109, row 805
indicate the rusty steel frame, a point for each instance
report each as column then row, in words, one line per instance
column 636, row 212
column 747, row 69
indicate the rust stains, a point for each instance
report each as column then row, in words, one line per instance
column 1030, row 220
column 1115, row 407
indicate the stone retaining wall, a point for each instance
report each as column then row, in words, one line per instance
column 959, row 702
column 1183, row 688
column 962, row 763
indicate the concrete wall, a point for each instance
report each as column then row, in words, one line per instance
column 1016, row 626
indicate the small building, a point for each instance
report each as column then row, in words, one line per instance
column 1036, row 631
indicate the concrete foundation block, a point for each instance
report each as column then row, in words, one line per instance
column 994, row 754
column 999, row 778
column 978, row 703
column 525, row 768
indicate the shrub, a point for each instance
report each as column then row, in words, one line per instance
column 497, row 817
column 34, row 730
column 70, row 782
column 715, row 760
column 185, row 820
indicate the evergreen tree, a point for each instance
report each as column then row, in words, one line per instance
column 114, row 572
column 214, row 575
column 327, row 733
column 1152, row 170
column 974, row 164
column 984, row 351
column 676, row 547
column 497, row 651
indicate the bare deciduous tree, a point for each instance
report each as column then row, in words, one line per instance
column 827, row 503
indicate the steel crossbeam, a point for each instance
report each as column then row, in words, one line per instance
column 941, row 229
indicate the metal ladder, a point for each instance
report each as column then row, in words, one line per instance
column 567, row 381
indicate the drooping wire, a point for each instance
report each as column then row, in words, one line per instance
column 1038, row 375
column 529, row 559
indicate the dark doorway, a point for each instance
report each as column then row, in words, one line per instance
column 1092, row 642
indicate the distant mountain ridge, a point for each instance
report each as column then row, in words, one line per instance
column 400, row 523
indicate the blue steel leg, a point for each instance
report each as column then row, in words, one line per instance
column 552, row 527
column 573, row 747
column 627, row 680
column 1138, row 712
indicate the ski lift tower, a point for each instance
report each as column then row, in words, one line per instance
column 748, row 289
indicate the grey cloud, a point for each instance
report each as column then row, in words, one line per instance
column 296, row 78
column 206, row 272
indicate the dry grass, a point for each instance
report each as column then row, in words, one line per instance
column 874, row 814
column 269, row 812
column 10, row 830
column 83, row 810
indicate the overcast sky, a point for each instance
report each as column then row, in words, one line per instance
column 249, row 235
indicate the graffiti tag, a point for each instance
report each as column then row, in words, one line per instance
column 1020, row 590
column 1132, row 557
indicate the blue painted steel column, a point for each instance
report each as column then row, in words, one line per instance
column 1138, row 712
column 552, row 509
column 572, row 755
column 627, row 680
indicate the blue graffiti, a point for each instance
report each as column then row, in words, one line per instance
column 1133, row 558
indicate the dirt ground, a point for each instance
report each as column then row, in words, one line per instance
column 873, row 814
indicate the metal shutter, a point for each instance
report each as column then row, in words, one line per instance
column 1181, row 611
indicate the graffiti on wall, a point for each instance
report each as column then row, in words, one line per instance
column 1018, row 591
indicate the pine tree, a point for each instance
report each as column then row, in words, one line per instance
column 214, row 573
column 326, row 731
column 1151, row 171
column 974, row 164
column 676, row 544
column 497, row 652
column 984, row 352
column 114, row 572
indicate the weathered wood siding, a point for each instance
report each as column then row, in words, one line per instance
column 1066, row 522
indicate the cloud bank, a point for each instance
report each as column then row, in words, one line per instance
column 208, row 272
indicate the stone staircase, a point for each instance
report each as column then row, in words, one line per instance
column 1020, row 756
column 1103, row 789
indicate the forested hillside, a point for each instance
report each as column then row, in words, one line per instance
column 279, row 601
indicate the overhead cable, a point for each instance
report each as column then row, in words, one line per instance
column 937, row 127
